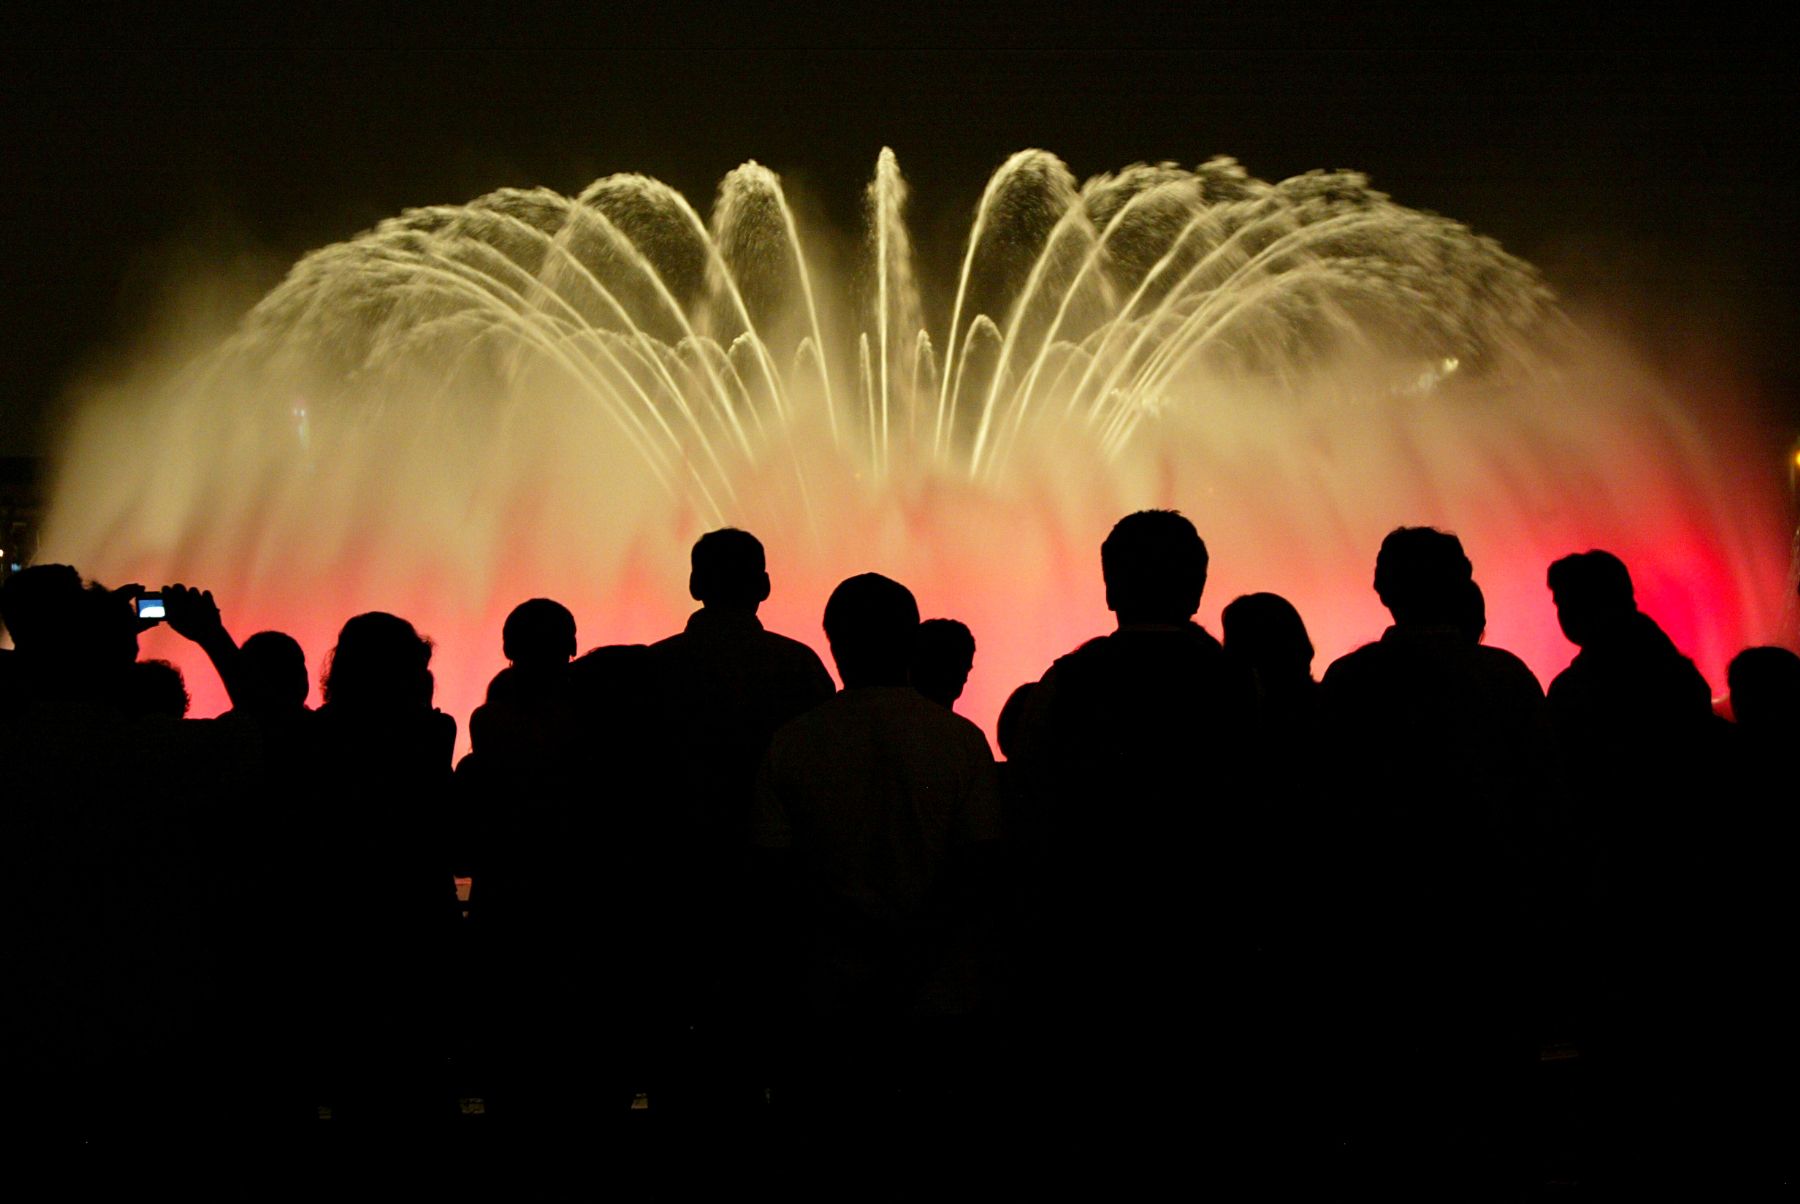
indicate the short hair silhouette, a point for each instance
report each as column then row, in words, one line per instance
column 1265, row 632
column 1154, row 564
column 1422, row 576
column 872, row 623
column 379, row 661
column 943, row 654
column 274, row 669
column 39, row 601
column 729, row 570
column 539, row 631
column 1765, row 688
column 1592, row 590
column 156, row 687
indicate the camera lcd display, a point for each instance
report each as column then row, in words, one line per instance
column 150, row 606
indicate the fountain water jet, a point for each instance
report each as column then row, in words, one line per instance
column 537, row 394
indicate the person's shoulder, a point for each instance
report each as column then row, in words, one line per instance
column 1499, row 660
column 1354, row 663
column 815, row 723
column 968, row 732
column 788, row 647
column 1087, row 653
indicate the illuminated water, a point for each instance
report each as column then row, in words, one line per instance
column 540, row 394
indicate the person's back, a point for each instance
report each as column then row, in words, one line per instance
column 729, row 683
column 1443, row 737
column 874, row 793
column 1441, row 753
column 1663, row 860
column 1134, row 749
column 874, row 813
column 383, row 906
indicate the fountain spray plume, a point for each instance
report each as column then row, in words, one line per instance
column 535, row 394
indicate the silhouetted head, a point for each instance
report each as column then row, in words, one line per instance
column 105, row 632
column 1593, row 595
column 1012, row 718
column 1154, row 563
column 380, row 663
column 1765, row 690
column 943, row 654
column 539, row 633
column 729, row 571
column 872, row 622
column 273, row 668
column 156, row 688
column 1265, row 632
column 1422, row 576
column 39, row 606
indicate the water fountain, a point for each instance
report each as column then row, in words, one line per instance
column 540, row 394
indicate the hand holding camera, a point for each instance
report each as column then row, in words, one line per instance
column 190, row 613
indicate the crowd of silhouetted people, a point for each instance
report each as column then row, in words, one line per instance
column 1211, row 915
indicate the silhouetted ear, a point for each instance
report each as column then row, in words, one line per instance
column 1112, row 603
column 762, row 587
column 694, row 587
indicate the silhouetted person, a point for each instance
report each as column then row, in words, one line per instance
column 1299, row 882
column 942, row 658
column 1628, row 675
column 383, row 904
column 1265, row 633
column 1765, row 693
column 39, row 608
column 879, row 801
column 1639, row 744
column 1443, row 755
column 520, row 741
column 156, row 687
column 110, row 979
column 1135, row 751
column 539, row 633
column 569, row 903
column 1758, row 898
column 1009, row 728
column 273, row 677
column 725, row 685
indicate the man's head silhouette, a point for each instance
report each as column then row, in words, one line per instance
column 1154, row 563
column 38, row 607
column 1765, row 690
column 1593, row 594
column 1422, row 576
column 274, row 670
column 942, row 658
column 872, row 623
column 729, row 571
column 539, row 633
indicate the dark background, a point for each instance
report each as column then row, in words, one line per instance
column 1644, row 162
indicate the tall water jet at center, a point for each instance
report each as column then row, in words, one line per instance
column 536, row 394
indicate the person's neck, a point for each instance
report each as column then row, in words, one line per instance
column 1141, row 623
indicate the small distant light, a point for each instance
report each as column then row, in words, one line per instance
column 1797, row 459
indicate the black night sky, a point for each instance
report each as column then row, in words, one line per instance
column 1644, row 163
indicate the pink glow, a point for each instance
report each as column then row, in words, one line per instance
column 1019, row 562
